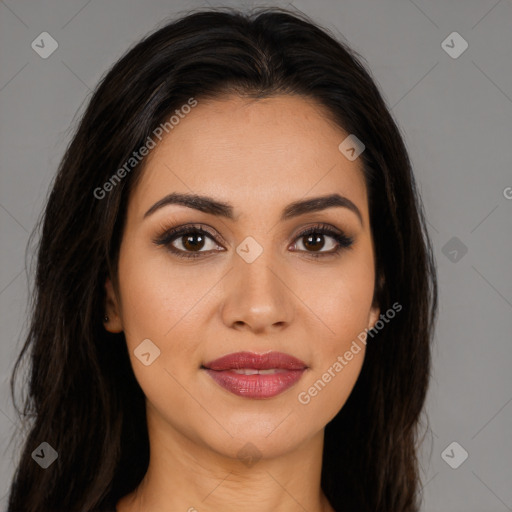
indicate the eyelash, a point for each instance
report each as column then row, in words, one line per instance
column 171, row 234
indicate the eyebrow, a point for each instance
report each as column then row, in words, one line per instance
column 212, row 206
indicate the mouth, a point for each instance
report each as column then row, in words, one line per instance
column 256, row 376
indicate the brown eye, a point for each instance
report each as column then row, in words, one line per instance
column 193, row 242
column 314, row 240
column 187, row 241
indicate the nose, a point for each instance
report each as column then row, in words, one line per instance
column 258, row 295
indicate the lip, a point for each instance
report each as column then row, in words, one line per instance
column 286, row 371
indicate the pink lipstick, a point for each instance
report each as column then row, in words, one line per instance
column 256, row 375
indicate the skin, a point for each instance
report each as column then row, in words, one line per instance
column 258, row 155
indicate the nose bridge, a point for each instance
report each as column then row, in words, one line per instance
column 259, row 278
column 257, row 294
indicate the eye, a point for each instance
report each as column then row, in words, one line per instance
column 190, row 240
column 313, row 240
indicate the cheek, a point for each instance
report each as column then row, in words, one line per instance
column 337, row 357
column 161, row 304
column 342, row 304
column 157, row 297
column 325, row 392
column 342, row 301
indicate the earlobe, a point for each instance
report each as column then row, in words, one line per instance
column 375, row 310
column 374, row 317
column 112, row 318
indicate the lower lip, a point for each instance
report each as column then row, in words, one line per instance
column 256, row 386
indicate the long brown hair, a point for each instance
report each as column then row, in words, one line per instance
column 83, row 398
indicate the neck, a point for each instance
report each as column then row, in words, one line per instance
column 185, row 475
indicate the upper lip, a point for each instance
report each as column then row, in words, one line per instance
column 267, row 361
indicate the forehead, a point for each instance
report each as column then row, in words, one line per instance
column 253, row 154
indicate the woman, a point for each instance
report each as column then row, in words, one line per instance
column 235, row 291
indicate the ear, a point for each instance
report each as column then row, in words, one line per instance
column 114, row 322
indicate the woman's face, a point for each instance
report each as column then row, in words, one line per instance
column 254, row 284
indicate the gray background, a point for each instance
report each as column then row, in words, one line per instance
column 456, row 117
